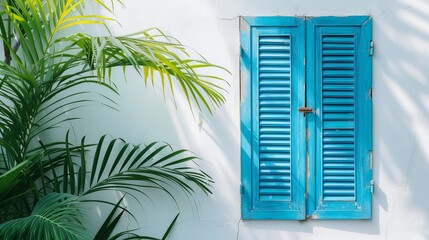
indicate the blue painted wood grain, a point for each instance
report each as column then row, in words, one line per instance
column 268, row 191
column 341, row 129
column 331, row 72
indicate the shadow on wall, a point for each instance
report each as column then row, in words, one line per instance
column 401, row 113
column 401, row 132
column 400, row 136
column 144, row 116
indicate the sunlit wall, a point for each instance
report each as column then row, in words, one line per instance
column 210, row 27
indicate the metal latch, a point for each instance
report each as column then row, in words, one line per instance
column 305, row 109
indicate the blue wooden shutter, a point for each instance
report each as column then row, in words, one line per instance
column 272, row 131
column 338, row 84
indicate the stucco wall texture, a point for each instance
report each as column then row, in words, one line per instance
column 211, row 28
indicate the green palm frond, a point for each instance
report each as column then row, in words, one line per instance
column 121, row 166
column 56, row 216
column 43, row 76
column 110, row 223
column 43, row 70
column 106, row 231
column 10, row 179
column 149, row 52
column 36, row 23
column 116, row 166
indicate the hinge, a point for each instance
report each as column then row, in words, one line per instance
column 241, row 189
column 371, row 48
column 370, row 93
column 371, row 187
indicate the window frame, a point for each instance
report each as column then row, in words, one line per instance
column 308, row 28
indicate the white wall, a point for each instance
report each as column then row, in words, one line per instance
column 400, row 103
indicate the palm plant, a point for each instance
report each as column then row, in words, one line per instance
column 45, row 185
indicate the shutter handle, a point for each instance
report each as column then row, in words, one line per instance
column 305, row 110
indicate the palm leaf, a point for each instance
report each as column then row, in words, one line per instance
column 110, row 223
column 56, row 216
column 105, row 232
column 154, row 165
column 42, row 78
column 167, row 233
column 10, row 179
column 147, row 53
column 117, row 165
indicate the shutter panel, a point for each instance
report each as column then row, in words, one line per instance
column 273, row 179
column 338, row 118
column 275, row 118
column 341, row 60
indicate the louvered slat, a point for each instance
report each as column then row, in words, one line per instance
column 274, row 118
column 338, row 114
